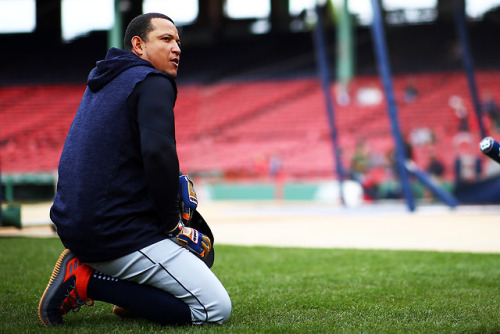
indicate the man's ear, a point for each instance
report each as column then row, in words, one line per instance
column 137, row 46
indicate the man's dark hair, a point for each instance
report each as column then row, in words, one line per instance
column 141, row 26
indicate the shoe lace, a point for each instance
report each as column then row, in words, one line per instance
column 75, row 303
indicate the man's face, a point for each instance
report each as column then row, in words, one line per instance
column 162, row 47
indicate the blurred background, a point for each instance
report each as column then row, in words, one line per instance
column 253, row 121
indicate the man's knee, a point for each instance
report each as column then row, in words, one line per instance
column 217, row 312
column 223, row 311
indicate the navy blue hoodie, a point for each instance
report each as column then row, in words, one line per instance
column 118, row 172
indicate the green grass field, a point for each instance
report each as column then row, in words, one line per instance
column 285, row 290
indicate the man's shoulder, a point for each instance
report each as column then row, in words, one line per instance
column 160, row 79
column 158, row 82
column 143, row 72
column 139, row 68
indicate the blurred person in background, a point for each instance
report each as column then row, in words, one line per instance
column 490, row 109
column 467, row 163
column 460, row 111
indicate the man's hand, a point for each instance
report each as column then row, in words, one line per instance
column 187, row 198
column 197, row 242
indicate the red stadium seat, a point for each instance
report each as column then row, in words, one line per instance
column 231, row 127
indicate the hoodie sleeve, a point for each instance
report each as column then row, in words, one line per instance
column 155, row 115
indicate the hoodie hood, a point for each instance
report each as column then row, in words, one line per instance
column 116, row 62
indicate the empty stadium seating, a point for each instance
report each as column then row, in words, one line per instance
column 234, row 127
column 34, row 122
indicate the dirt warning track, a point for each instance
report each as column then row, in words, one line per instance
column 321, row 225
